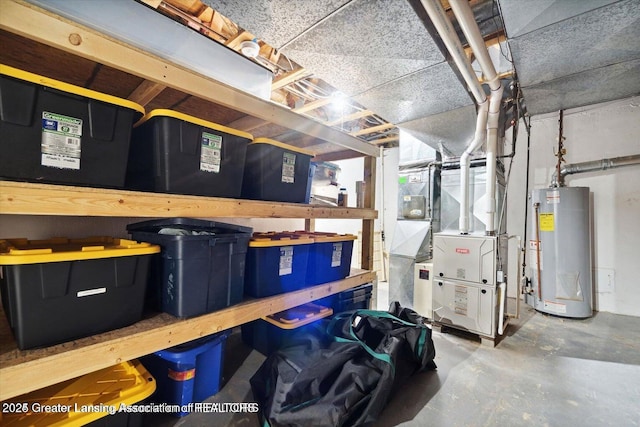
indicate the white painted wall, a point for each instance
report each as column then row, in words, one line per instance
column 592, row 133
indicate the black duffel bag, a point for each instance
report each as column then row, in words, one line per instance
column 343, row 372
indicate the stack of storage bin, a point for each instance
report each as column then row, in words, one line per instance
column 292, row 260
column 276, row 172
column 60, row 133
column 100, row 393
column 62, row 289
column 172, row 152
column 188, row 373
column 201, row 267
column 280, row 330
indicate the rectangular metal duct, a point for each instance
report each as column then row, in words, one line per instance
column 143, row 27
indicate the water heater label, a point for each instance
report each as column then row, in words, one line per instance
column 556, row 307
column 546, row 222
column 553, row 197
column 533, row 248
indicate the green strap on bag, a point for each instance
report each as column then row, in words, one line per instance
column 372, row 313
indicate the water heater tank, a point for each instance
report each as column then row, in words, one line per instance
column 559, row 250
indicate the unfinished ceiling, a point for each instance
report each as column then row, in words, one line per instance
column 567, row 53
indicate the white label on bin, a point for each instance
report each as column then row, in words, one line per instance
column 286, row 261
column 89, row 292
column 60, row 146
column 288, row 168
column 211, row 152
column 336, row 256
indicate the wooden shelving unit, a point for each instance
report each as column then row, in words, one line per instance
column 24, row 371
column 30, row 34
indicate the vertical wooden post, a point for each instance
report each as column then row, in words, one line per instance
column 310, row 224
column 366, row 261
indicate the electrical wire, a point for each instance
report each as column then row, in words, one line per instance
column 500, row 24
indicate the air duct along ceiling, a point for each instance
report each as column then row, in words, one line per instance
column 567, row 53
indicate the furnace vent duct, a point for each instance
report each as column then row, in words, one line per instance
column 464, row 15
column 595, row 165
column 454, row 46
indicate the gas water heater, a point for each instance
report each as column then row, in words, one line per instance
column 559, row 250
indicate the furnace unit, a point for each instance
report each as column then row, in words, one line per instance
column 466, row 286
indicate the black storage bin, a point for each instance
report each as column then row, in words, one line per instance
column 176, row 153
column 201, row 266
column 276, row 172
column 63, row 289
column 55, row 132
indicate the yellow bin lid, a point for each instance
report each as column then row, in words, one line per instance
column 66, row 87
column 283, row 146
column 299, row 316
column 23, row 251
column 99, row 393
column 268, row 240
column 322, row 237
column 162, row 112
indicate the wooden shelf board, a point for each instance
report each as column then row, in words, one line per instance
column 21, row 198
column 22, row 371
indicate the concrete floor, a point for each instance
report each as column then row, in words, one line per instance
column 546, row 371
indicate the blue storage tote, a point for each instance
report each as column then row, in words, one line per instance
column 172, row 152
column 189, row 372
column 279, row 330
column 276, row 263
column 330, row 257
column 276, row 171
column 51, row 131
column 200, row 268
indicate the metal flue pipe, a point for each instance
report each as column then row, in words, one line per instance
column 446, row 31
column 595, row 165
column 467, row 22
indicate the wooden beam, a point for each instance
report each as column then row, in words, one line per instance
column 217, row 22
column 373, row 129
column 146, row 92
column 46, row 27
column 153, row 3
column 290, row 77
column 353, row 116
column 313, row 105
column 385, row 140
column 368, row 240
column 235, row 41
column 247, row 123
